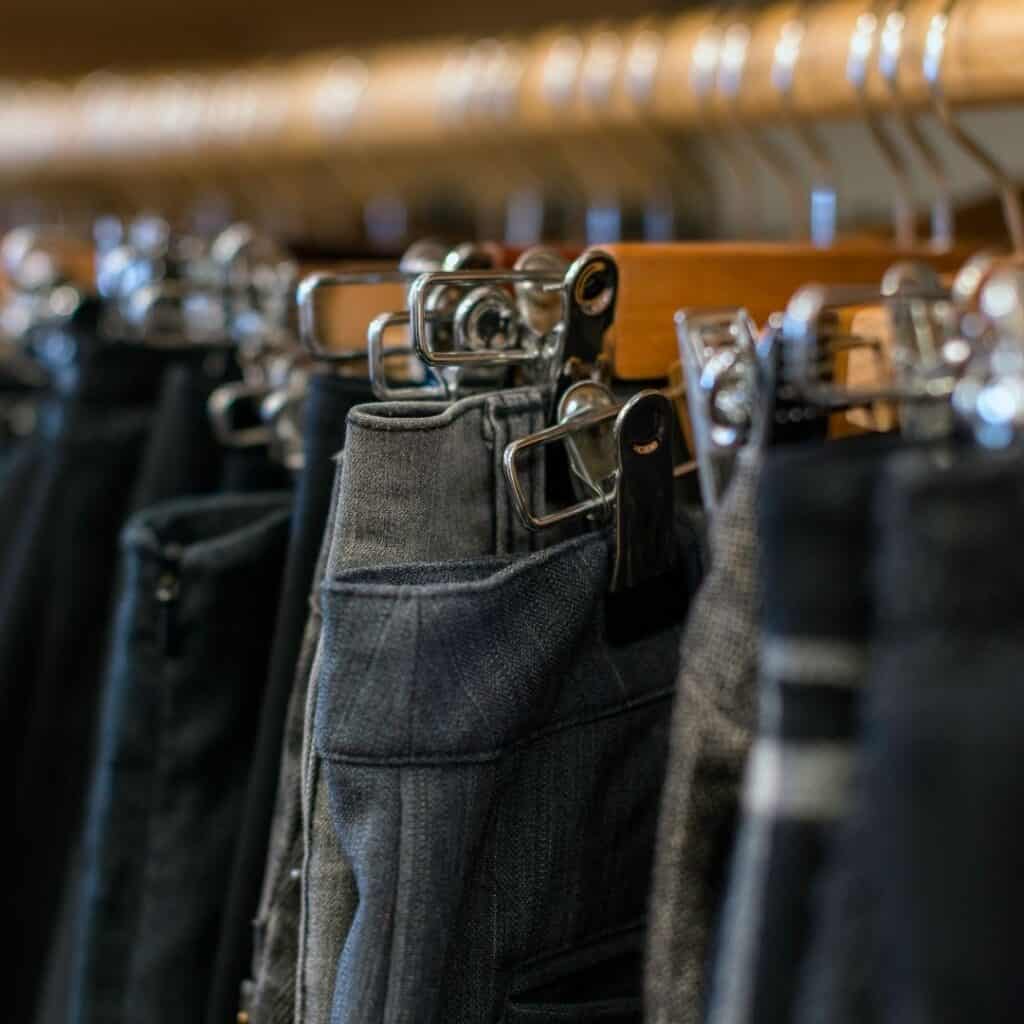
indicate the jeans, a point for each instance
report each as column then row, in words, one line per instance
column 183, row 699
column 712, row 728
column 181, row 457
column 70, row 490
column 418, row 480
column 327, row 406
column 814, row 521
column 492, row 738
column 942, row 842
column 419, row 483
column 269, row 992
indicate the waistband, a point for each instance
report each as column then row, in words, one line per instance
column 424, row 481
column 208, row 533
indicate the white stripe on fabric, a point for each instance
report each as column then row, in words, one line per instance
column 812, row 660
column 803, row 781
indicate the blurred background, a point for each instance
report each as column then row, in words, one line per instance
column 314, row 119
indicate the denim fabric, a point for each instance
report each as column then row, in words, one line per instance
column 252, row 469
column 454, row 451
column 814, row 521
column 492, row 737
column 73, row 485
column 17, row 483
column 18, row 416
column 269, row 993
column 419, row 482
column 712, row 728
column 327, row 406
column 183, row 458
column 182, row 706
column 944, row 797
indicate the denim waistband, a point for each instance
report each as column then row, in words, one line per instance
column 424, row 481
column 206, row 534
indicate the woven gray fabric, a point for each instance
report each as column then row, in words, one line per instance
column 419, row 482
column 712, row 729
column 270, row 997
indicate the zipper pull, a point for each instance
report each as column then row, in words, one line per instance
column 168, row 591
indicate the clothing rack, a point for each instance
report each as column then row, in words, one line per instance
column 426, row 97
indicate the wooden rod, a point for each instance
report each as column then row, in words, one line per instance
column 422, row 98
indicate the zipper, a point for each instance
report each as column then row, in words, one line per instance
column 168, row 593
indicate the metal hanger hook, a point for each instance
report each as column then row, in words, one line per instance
column 823, row 199
column 890, row 57
column 932, row 61
column 731, row 66
column 862, row 44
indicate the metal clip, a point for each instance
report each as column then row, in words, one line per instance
column 645, row 539
column 990, row 396
column 590, row 290
column 420, row 257
column 717, row 349
column 811, row 332
column 284, row 412
column 230, row 403
column 928, row 354
column 306, row 296
column 626, row 470
column 813, row 337
column 173, row 314
column 439, row 385
column 524, row 348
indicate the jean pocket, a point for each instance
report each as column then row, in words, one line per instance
column 597, row 980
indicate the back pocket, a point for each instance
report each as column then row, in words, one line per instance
column 598, row 980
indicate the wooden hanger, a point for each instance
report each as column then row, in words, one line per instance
column 657, row 280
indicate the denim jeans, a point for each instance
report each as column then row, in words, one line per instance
column 942, row 843
column 69, row 490
column 269, row 992
column 417, row 481
column 492, row 737
column 815, row 527
column 328, row 402
column 712, row 728
column 183, row 699
column 181, row 458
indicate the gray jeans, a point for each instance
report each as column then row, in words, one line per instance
column 491, row 736
column 418, row 482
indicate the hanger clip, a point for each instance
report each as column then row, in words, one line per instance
column 717, row 349
column 622, row 465
column 645, row 543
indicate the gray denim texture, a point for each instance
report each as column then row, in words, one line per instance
column 492, row 737
column 712, row 729
column 816, row 538
column 269, row 995
column 182, row 699
column 419, row 482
